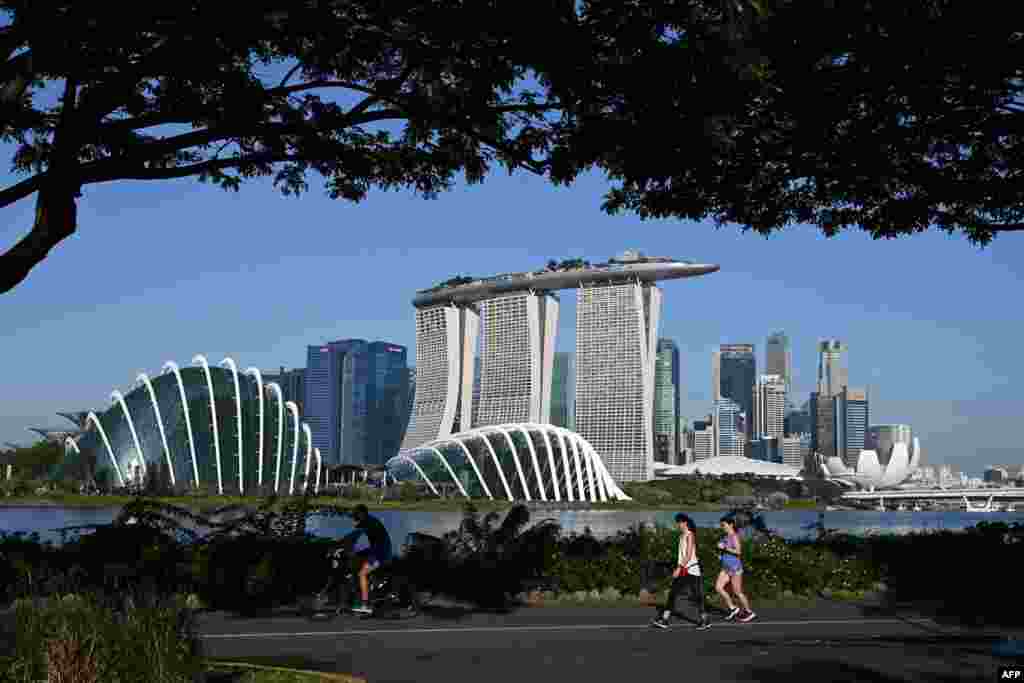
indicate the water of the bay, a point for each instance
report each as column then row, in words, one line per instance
column 790, row 524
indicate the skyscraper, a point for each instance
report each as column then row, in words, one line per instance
column 445, row 349
column 703, row 439
column 729, row 437
column 779, row 360
column 616, row 339
column 851, row 424
column 562, row 389
column 666, row 400
column 738, row 375
column 832, row 377
column 517, row 339
column 769, row 406
column 832, row 373
column 387, row 399
column 337, row 405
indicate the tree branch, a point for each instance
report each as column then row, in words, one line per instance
column 1006, row 227
column 22, row 189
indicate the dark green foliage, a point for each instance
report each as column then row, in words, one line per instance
column 59, row 638
column 892, row 117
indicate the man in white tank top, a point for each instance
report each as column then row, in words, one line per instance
column 686, row 575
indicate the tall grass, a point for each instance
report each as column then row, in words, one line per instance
column 79, row 640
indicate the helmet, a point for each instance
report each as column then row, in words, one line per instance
column 360, row 512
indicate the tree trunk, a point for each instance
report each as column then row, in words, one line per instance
column 56, row 219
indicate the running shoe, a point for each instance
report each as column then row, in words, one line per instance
column 748, row 616
column 733, row 613
column 660, row 623
column 704, row 624
column 362, row 609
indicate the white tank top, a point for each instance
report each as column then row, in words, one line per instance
column 694, row 566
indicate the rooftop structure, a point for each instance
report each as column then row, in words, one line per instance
column 629, row 266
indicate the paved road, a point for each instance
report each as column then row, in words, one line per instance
column 827, row 643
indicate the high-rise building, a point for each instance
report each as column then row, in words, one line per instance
column 337, row 402
column 850, row 412
column 666, row 401
column 728, row 427
column 779, row 360
column 823, row 438
column 616, row 338
column 738, row 367
column 793, row 450
column 703, row 439
column 797, row 420
column 292, row 383
column 387, row 396
column 517, row 340
column 716, row 376
column 769, row 406
column 445, row 350
column 832, row 372
column 562, row 389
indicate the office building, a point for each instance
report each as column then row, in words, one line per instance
column 796, row 450
column 769, row 406
column 387, row 396
column 292, row 383
column 616, row 339
column 798, row 421
column 703, row 439
column 765, row 448
column 738, row 368
column 779, row 360
column 563, row 388
column 337, row 400
column 729, row 428
column 850, row 412
column 832, row 371
column 666, row 401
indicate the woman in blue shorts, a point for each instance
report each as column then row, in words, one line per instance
column 731, row 575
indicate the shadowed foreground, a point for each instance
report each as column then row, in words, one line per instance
column 830, row 642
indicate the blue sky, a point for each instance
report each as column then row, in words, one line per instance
column 162, row 271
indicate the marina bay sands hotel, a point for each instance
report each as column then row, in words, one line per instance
column 509, row 322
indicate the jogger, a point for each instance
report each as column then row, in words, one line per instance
column 731, row 575
column 686, row 575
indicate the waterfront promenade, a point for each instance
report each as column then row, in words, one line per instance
column 829, row 642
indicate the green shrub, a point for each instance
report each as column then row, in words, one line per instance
column 78, row 639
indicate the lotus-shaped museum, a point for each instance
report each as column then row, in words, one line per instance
column 199, row 427
column 528, row 461
column 894, row 457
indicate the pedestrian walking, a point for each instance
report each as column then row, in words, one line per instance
column 731, row 575
column 687, row 576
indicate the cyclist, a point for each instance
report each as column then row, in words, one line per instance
column 370, row 558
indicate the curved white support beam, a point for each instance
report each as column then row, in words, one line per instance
column 422, row 474
column 230, row 365
column 589, row 468
column 552, row 472
column 309, row 455
column 566, row 471
column 200, row 359
column 533, row 457
column 319, row 465
column 276, row 390
column 497, row 465
column 116, row 397
column 451, row 472
column 171, row 366
column 254, row 372
column 143, row 379
column 294, row 411
column 515, row 459
column 579, row 469
column 479, row 477
column 91, row 417
column 597, row 467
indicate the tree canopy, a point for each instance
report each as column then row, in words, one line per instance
column 890, row 117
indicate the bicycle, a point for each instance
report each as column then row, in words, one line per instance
column 391, row 592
